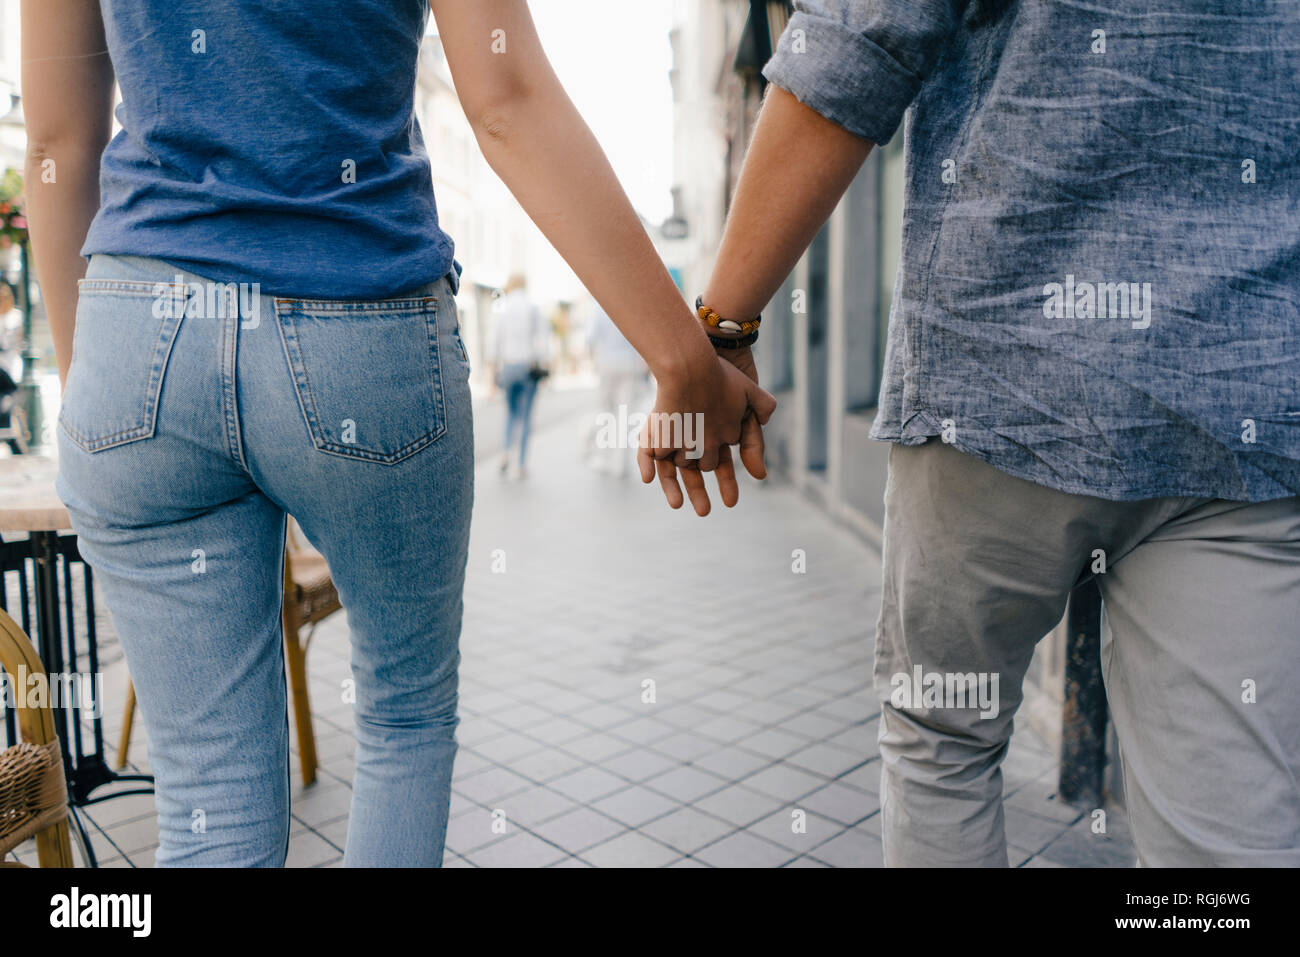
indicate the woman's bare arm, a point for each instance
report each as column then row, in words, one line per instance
column 67, row 83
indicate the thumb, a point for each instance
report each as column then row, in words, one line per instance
column 761, row 401
column 751, row 447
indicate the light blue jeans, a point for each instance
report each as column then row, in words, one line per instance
column 520, row 389
column 189, row 429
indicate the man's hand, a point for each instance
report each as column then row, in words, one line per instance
column 730, row 408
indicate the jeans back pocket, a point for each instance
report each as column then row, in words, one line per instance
column 122, row 341
column 367, row 374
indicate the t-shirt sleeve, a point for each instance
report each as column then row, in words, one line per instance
column 861, row 63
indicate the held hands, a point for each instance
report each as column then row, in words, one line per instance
column 698, row 415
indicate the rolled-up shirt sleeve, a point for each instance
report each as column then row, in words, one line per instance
column 861, row 63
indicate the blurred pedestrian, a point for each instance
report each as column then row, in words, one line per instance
column 623, row 377
column 520, row 354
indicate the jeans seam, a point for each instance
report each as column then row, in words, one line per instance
column 229, row 396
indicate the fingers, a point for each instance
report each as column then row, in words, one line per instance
column 645, row 461
column 752, row 447
column 704, row 463
column 668, row 482
column 695, row 488
column 728, row 487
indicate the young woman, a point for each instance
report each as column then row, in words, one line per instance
column 267, row 327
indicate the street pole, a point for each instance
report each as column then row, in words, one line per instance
column 31, row 389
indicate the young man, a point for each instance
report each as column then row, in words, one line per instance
column 1094, row 353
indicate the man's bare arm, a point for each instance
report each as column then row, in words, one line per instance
column 798, row 166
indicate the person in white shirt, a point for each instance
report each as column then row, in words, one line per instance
column 520, row 351
column 622, row 372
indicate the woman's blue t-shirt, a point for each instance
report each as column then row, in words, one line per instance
column 273, row 143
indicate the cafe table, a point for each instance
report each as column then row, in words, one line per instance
column 40, row 552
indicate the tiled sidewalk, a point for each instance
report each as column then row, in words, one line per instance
column 645, row 688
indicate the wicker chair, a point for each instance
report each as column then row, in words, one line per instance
column 33, row 795
column 309, row 597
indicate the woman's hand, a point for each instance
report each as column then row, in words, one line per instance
column 698, row 415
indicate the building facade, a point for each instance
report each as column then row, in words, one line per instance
column 494, row 236
column 822, row 346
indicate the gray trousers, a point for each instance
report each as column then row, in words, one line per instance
column 1201, row 656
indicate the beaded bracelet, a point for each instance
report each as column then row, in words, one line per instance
column 712, row 319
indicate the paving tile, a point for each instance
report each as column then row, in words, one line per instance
column 578, row 829
column 329, row 803
column 773, row 743
column 644, row 730
column 853, row 847
column 826, row 760
column 779, row 828
column 130, row 807
column 686, row 784
column 638, row 764
column 1039, row 797
column 468, row 762
column 596, row 747
column 471, row 831
column 492, row 786
column 726, row 728
column 1030, row 831
column 841, row 803
column 1080, row 847
column 739, row 804
column 630, row 849
column 814, row 725
column 743, row 849
column 557, row 730
column 785, row 782
column 535, row 805
column 636, row 805
column 687, row 746
column 733, row 762
column 520, row 849
column 865, row 777
column 587, row 784
column 336, row 832
column 687, row 829
column 129, row 836
column 309, row 849
column 504, row 749
column 459, row 803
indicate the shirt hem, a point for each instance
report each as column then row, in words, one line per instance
column 1115, row 493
